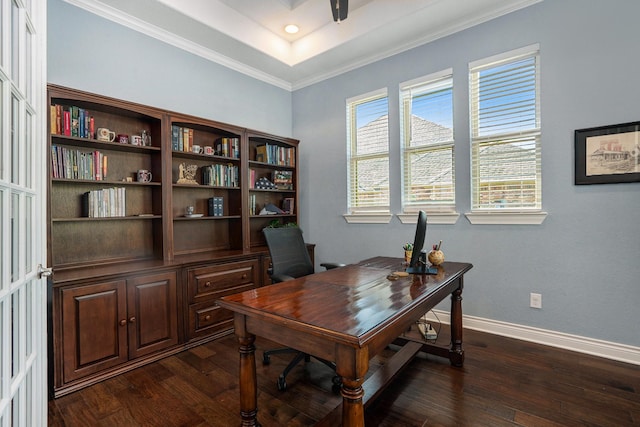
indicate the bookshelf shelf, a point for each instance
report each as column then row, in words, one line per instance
column 108, row 218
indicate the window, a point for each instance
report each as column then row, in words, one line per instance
column 505, row 133
column 368, row 155
column 426, row 114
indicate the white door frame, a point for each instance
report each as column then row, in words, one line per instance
column 23, row 238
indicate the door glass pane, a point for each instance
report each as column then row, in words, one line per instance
column 28, row 227
column 15, row 138
column 15, row 43
column 15, row 333
column 2, row 38
column 28, row 87
column 28, row 147
column 15, row 236
column 3, row 354
column 28, row 302
column 2, row 174
column 2, row 264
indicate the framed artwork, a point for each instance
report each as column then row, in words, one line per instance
column 608, row 154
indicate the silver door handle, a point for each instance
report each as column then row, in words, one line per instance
column 44, row 271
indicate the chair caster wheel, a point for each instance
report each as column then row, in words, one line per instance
column 282, row 383
column 337, row 384
column 266, row 359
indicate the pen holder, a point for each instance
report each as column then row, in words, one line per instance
column 435, row 257
column 407, row 256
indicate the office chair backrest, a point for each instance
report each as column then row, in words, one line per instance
column 288, row 252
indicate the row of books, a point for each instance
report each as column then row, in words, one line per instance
column 107, row 202
column 220, row 175
column 75, row 164
column 276, row 155
column 71, row 121
column 228, row 147
column 216, row 206
column 181, row 138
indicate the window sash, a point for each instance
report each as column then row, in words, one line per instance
column 428, row 174
column 506, row 159
column 368, row 153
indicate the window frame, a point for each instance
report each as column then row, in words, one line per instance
column 364, row 214
column 504, row 215
column 438, row 212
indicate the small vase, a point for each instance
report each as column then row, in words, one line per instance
column 435, row 257
column 407, row 256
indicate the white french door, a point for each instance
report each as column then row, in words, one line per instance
column 23, row 350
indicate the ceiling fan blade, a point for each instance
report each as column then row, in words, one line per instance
column 339, row 8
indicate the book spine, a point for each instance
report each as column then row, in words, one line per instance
column 67, row 122
column 175, row 145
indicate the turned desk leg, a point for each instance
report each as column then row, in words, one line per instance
column 456, row 353
column 352, row 406
column 248, row 380
column 352, row 365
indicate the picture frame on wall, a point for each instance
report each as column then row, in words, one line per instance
column 608, row 154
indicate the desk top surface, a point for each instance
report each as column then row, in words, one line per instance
column 351, row 302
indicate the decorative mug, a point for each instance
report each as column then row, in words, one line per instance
column 123, row 138
column 196, row 149
column 208, row 150
column 144, row 175
column 136, row 140
column 105, row 134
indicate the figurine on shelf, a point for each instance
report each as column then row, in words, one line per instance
column 146, row 138
column 187, row 174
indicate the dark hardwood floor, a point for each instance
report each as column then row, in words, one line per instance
column 504, row 382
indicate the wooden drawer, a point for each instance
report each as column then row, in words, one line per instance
column 214, row 281
column 207, row 318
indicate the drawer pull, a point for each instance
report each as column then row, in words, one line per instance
column 207, row 317
column 207, row 285
column 132, row 319
column 123, row 322
column 244, row 276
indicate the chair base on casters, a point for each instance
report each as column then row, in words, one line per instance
column 282, row 382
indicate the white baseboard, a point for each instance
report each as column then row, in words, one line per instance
column 606, row 349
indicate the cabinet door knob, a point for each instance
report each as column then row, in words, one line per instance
column 123, row 322
column 132, row 319
column 207, row 285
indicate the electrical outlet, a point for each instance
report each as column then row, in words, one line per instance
column 535, row 300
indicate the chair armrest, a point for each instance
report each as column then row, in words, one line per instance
column 277, row 278
column 331, row 265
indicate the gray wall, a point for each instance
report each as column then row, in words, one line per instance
column 585, row 258
column 97, row 55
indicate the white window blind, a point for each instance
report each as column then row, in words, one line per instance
column 368, row 152
column 426, row 114
column 505, row 132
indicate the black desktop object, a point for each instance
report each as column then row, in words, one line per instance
column 418, row 264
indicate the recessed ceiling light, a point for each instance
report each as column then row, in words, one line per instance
column 291, row 29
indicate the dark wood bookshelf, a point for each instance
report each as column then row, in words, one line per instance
column 118, row 276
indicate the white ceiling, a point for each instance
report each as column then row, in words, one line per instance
column 248, row 35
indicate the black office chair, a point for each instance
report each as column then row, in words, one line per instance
column 289, row 260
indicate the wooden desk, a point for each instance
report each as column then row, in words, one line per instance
column 347, row 315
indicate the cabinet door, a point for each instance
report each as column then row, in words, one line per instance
column 94, row 333
column 152, row 313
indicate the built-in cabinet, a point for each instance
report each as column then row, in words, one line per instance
column 152, row 216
